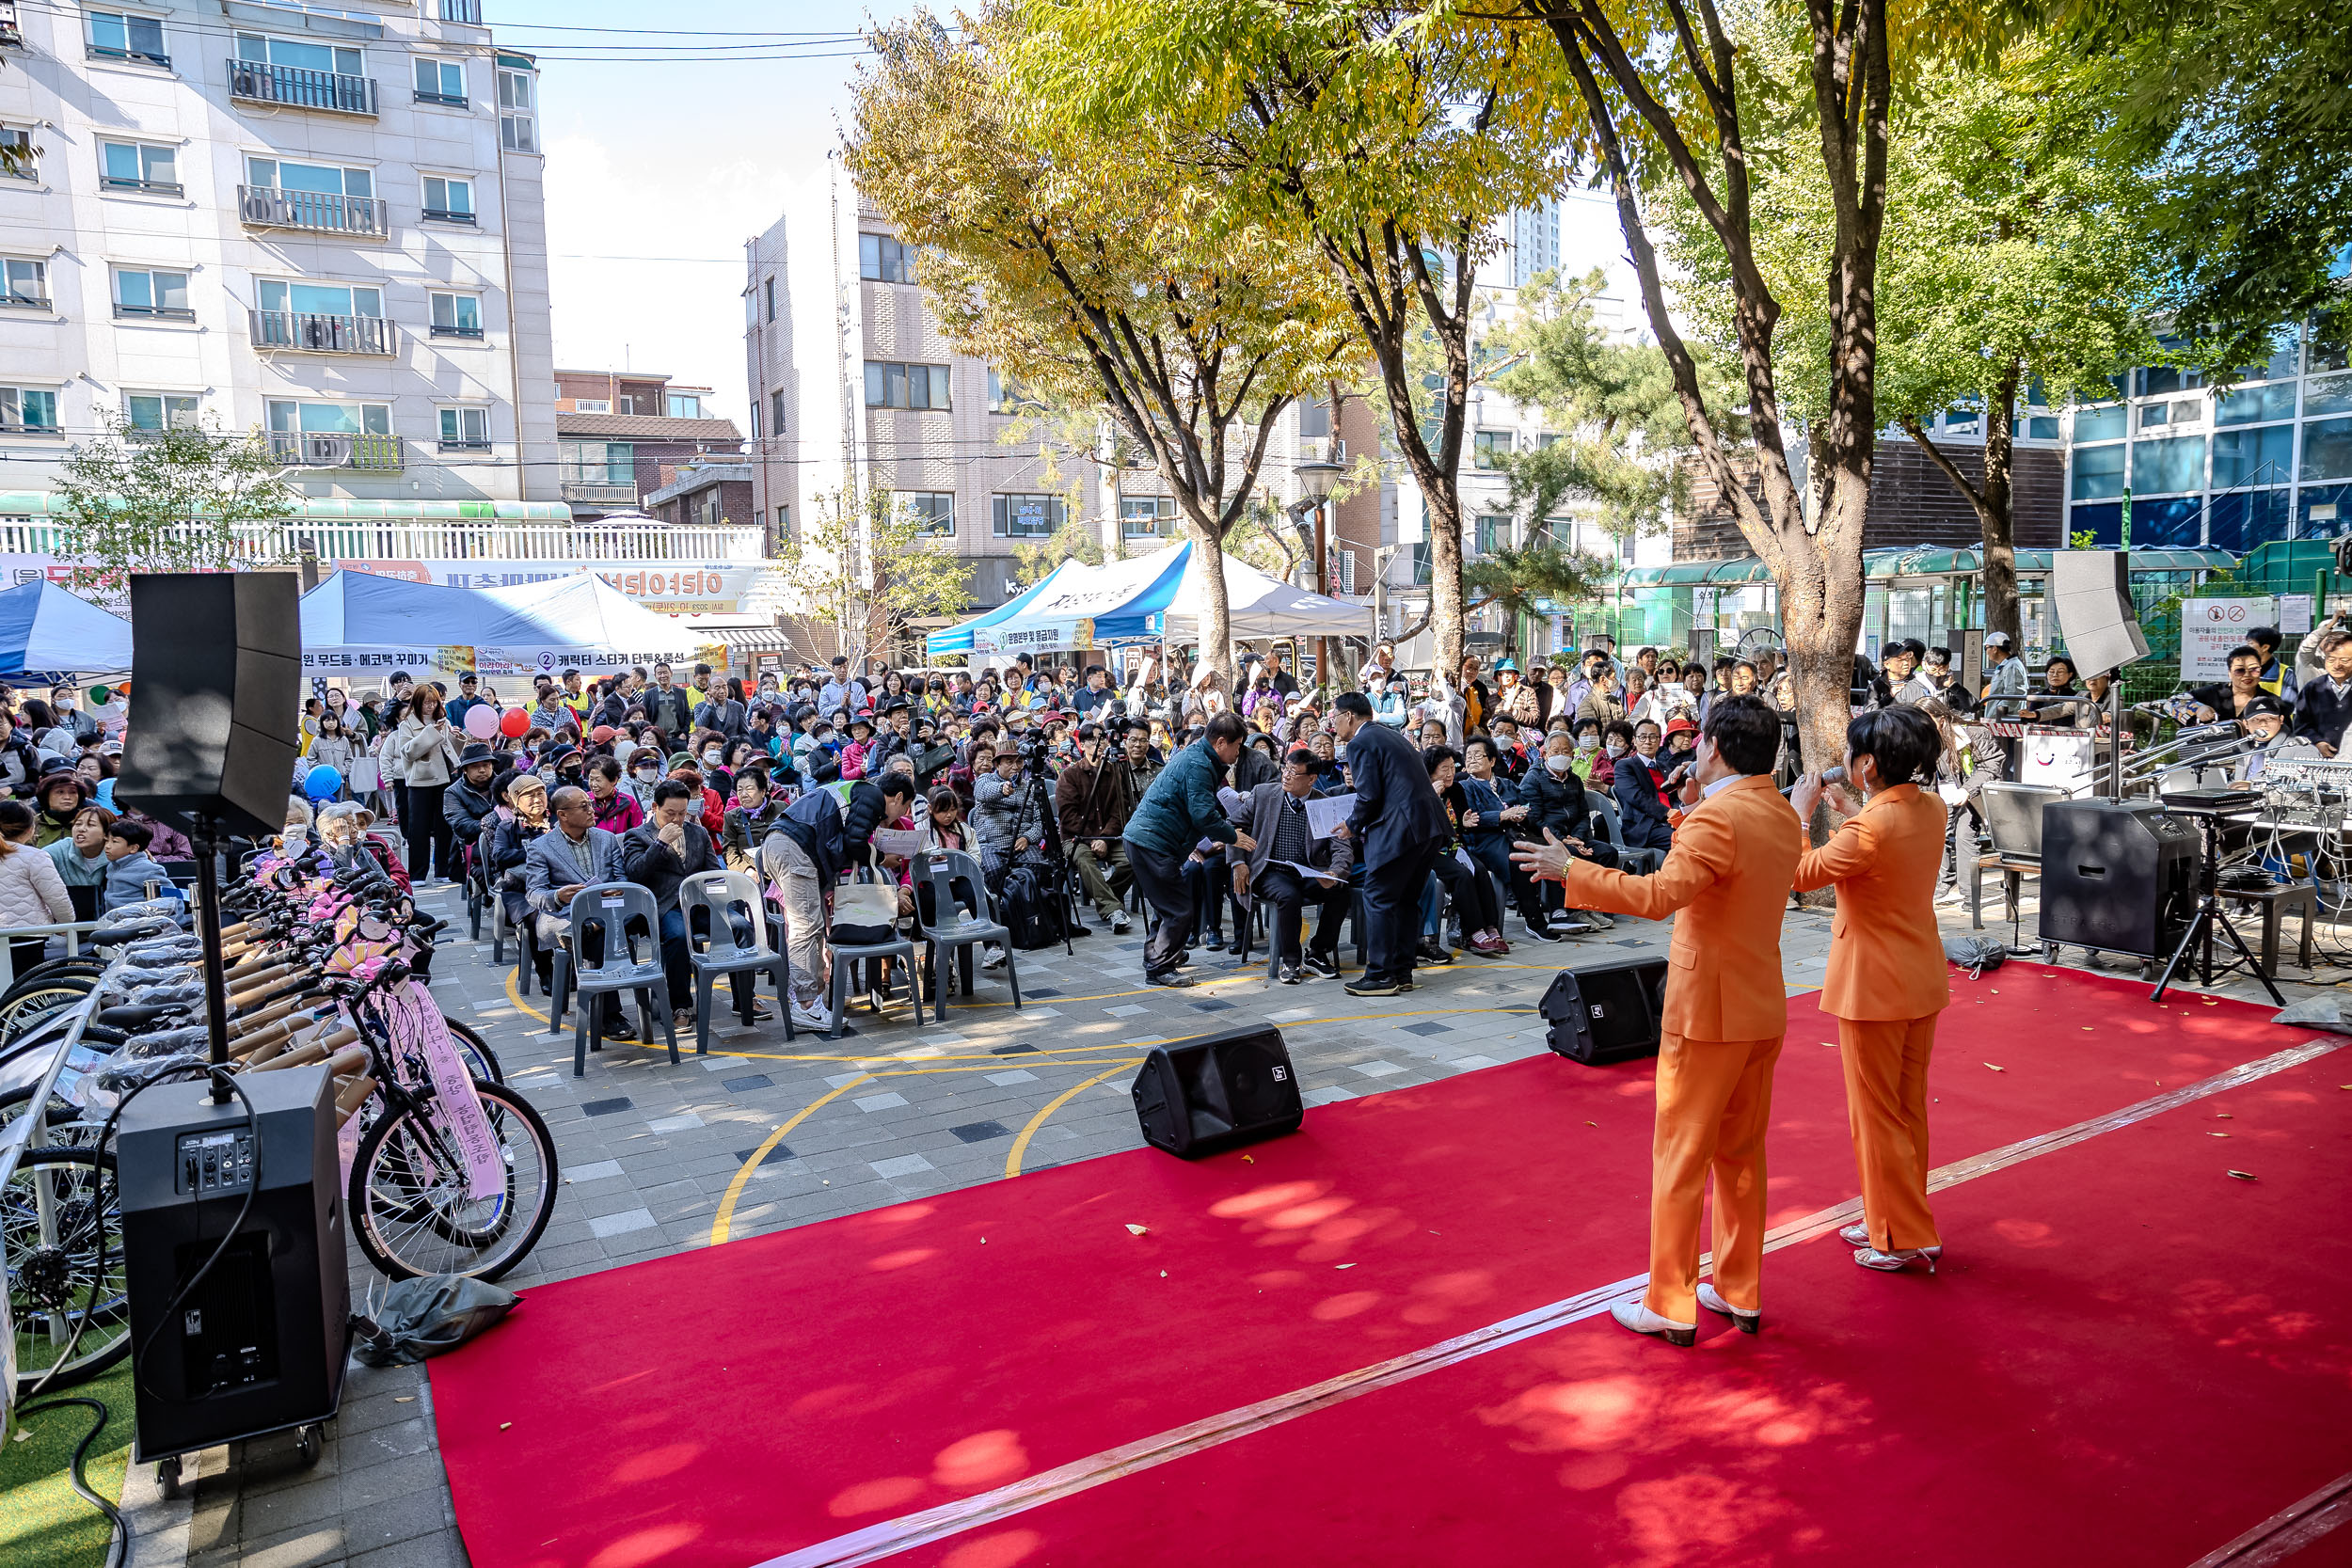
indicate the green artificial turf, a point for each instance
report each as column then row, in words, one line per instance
column 44, row 1521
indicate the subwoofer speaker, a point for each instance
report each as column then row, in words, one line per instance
column 1606, row 1012
column 2117, row 876
column 2090, row 593
column 216, row 696
column 1219, row 1092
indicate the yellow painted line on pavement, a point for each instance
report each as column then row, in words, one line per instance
column 1020, row 1144
column 724, row 1220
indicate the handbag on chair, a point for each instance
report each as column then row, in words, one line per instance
column 864, row 913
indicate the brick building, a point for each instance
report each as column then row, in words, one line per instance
column 622, row 436
column 712, row 494
column 1912, row 503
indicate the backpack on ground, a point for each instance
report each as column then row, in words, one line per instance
column 1028, row 910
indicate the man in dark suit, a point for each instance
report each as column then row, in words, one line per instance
column 1273, row 818
column 1402, row 826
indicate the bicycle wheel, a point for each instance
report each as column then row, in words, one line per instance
column 481, row 1060
column 35, row 1003
column 49, row 1281
column 408, row 1203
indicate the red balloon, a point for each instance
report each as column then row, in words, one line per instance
column 513, row 722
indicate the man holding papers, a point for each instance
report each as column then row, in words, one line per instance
column 1289, row 867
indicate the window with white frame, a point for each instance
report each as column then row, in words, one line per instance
column 934, row 512
column 1146, row 516
column 152, row 292
column 18, row 158
column 28, row 410
column 457, row 315
column 150, row 413
column 1016, row 516
column 126, row 36
column 684, row 405
column 322, row 417
column 320, row 299
column 448, row 200
column 147, row 167
column 466, row 429
column 23, row 283
column 441, row 82
column 906, row 386
column 770, row 289
column 519, row 115
column 301, row 55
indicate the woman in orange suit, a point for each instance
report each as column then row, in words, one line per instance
column 1887, row 979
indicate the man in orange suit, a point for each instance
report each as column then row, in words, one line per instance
column 1727, row 1010
column 1888, row 979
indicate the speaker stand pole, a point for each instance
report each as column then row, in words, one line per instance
column 205, row 840
column 2114, row 739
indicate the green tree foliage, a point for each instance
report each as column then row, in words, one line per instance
column 167, row 500
column 1383, row 141
column 864, row 572
column 1516, row 578
column 1100, row 263
column 1034, row 559
column 2243, row 107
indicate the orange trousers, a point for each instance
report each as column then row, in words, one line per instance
column 1886, row 1105
column 1714, row 1101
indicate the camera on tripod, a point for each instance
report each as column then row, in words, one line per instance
column 1036, row 750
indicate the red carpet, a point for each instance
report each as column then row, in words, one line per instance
column 730, row 1404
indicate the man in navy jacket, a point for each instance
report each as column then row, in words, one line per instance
column 1400, row 827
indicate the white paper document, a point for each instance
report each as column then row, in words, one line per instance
column 1314, row 873
column 1327, row 812
column 897, row 841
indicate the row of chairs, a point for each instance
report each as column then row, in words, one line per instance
column 733, row 933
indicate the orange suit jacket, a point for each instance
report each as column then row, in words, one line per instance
column 1728, row 874
column 1885, row 954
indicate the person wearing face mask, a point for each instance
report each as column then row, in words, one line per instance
column 644, row 771
column 1553, row 794
column 1589, row 756
column 1640, row 791
column 1616, row 742
column 711, row 754
column 616, row 809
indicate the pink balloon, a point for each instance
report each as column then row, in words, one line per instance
column 482, row 722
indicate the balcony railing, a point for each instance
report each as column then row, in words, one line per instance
column 595, row 492
column 323, row 212
column 467, row 11
column 260, row 82
column 18, row 299
column 144, row 187
column 154, row 312
column 308, row 450
column 446, row 329
column 447, row 215
column 316, row 334
column 515, row 545
column 12, row 34
column 445, row 100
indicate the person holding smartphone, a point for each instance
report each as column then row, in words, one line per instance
column 427, row 744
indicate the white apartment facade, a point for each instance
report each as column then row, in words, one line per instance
column 326, row 224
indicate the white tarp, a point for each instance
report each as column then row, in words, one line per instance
column 358, row 625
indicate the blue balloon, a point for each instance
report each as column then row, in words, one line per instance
column 322, row 784
column 106, row 795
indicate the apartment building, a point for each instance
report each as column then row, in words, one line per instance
column 625, row 437
column 325, row 223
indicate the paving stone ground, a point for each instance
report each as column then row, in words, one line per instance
column 649, row 1154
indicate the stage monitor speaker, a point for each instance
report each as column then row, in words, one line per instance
column 258, row 1343
column 1219, row 1092
column 2118, row 877
column 1606, row 1012
column 216, row 694
column 2090, row 593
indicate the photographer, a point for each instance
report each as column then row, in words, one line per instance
column 1008, row 814
column 1092, row 801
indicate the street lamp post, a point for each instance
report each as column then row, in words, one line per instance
column 1316, row 476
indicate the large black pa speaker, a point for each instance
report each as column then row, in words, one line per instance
column 258, row 1343
column 216, row 696
column 1205, row 1096
column 2091, row 592
column 2119, row 877
column 1606, row 1012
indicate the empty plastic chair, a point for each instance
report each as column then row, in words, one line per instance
column 733, row 941
column 600, row 918
column 960, row 920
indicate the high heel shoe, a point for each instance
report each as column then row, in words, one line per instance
column 1899, row 1259
column 1854, row 1235
column 1747, row 1323
column 1640, row 1319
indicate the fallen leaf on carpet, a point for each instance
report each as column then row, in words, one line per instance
column 1997, row 1069
column 2224, row 1116
column 2086, row 1028
column 1137, row 1229
column 503, row 1425
column 1343, row 1265
column 23, row 1436
column 2243, row 1175
column 404, row 1399
column 1163, row 1274
column 1588, row 1124
column 2216, row 1135
column 1249, row 1158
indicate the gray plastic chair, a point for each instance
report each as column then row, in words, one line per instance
column 961, row 924
column 847, row 954
column 607, row 909
column 1640, row 863
column 719, row 948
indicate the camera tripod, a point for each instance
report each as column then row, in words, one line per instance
column 1054, row 870
column 2198, row 937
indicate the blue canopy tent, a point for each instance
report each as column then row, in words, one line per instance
column 46, row 630
column 958, row 637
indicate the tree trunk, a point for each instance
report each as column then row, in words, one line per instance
column 1994, row 502
column 1446, row 615
column 1217, row 612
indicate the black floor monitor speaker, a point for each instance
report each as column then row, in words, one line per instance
column 258, row 1343
column 2117, row 876
column 1219, row 1092
column 1607, row 1011
column 215, row 696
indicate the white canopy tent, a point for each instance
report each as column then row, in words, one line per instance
column 1147, row 598
column 358, row 625
column 1262, row 604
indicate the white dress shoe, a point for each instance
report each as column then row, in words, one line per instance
column 1640, row 1319
column 1749, row 1323
column 1897, row 1260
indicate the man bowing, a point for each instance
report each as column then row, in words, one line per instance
column 1733, row 861
column 1402, row 827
